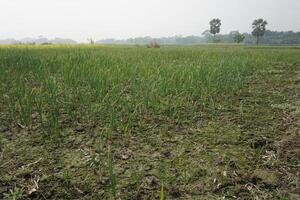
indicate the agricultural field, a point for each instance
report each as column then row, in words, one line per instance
column 128, row 122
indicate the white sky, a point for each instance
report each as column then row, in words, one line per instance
column 99, row 19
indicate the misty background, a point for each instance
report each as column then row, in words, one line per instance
column 140, row 21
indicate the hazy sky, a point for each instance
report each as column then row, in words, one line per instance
column 99, row 19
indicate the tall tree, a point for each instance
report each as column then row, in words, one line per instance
column 259, row 28
column 215, row 27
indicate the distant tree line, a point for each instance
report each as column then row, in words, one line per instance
column 270, row 37
column 39, row 40
column 259, row 34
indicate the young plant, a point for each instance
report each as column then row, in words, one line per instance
column 162, row 177
column 183, row 163
column 26, row 107
column 112, row 177
column 162, row 193
column 39, row 105
column 51, row 87
column 100, row 150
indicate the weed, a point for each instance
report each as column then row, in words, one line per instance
column 14, row 194
column 6, row 178
column 67, row 177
